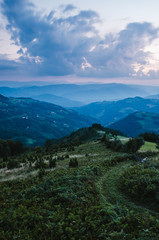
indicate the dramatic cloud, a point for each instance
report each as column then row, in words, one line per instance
column 55, row 46
column 118, row 56
column 67, row 42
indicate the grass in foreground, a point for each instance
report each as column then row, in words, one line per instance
column 75, row 203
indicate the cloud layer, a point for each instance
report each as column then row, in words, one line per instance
column 66, row 42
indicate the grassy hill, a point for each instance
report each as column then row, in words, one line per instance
column 82, row 135
column 136, row 123
column 33, row 122
column 112, row 111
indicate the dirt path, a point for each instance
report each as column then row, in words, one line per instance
column 108, row 184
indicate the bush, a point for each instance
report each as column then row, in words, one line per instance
column 52, row 162
column 73, row 162
column 13, row 164
column 60, row 157
column 141, row 183
column 117, row 146
column 70, row 148
column 41, row 173
column 133, row 145
column 3, row 165
column 39, row 164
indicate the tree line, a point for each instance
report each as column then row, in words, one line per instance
column 10, row 148
column 131, row 146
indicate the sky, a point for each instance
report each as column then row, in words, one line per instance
column 80, row 41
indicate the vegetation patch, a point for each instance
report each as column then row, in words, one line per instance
column 141, row 183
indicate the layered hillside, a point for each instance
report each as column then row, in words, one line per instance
column 33, row 122
column 111, row 111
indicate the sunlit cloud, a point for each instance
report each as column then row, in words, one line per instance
column 85, row 64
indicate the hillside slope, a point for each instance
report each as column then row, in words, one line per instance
column 33, row 122
column 136, row 123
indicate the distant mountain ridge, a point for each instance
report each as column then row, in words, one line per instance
column 62, row 101
column 137, row 123
column 111, row 111
column 153, row 96
column 33, row 122
column 85, row 94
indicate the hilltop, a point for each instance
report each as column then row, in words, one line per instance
column 82, row 135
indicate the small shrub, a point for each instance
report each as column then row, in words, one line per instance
column 40, row 163
column 141, row 183
column 70, row 149
column 52, row 163
column 41, row 173
column 73, row 162
column 13, row 164
column 3, row 165
column 60, row 157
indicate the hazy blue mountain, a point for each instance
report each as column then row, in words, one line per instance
column 100, row 92
column 62, row 101
column 110, row 111
column 83, row 93
column 136, row 123
column 17, row 84
column 33, row 122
